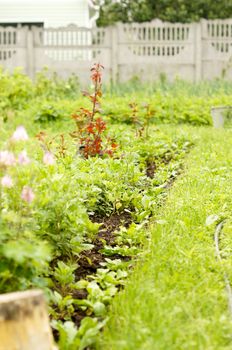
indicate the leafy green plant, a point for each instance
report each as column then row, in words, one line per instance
column 16, row 90
column 63, row 221
column 51, row 86
column 72, row 338
column 98, row 298
column 64, row 276
column 49, row 113
column 61, row 306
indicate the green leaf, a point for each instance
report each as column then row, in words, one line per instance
column 99, row 309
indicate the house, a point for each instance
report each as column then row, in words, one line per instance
column 48, row 13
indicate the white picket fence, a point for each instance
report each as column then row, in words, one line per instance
column 191, row 51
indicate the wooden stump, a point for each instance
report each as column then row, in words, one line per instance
column 24, row 322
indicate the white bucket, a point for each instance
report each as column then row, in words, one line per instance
column 218, row 115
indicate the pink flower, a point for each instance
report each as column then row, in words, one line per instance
column 49, row 158
column 20, row 134
column 7, row 181
column 7, row 158
column 27, row 194
column 23, row 158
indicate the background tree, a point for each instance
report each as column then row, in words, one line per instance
column 184, row 11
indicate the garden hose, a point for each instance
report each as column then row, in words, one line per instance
column 218, row 254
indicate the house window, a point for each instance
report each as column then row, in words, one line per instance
column 22, row 24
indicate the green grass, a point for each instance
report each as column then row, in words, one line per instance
column 176, row 298
column 140, row 88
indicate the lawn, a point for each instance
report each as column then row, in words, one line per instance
column 176, row 296
column 109, row 205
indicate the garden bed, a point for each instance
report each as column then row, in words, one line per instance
column 84, row 223
column 76, row 220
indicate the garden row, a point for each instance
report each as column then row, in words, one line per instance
column 53, row 99
column 72, row 225
column 76, row 207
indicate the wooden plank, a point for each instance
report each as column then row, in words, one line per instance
column 24, row 322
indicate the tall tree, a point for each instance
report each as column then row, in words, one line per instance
column 168, row 10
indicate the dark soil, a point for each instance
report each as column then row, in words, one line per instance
column 150, row 168
column 152, row 165
column 90, row 260
column 79, row 294
column 78, row 317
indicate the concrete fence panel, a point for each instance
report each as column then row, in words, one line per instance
column 192, row 51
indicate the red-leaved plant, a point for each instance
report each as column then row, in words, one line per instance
column 90, row 127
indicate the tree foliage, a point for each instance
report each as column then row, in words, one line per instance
column 184, row 11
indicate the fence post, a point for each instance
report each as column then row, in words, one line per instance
column 198, row 51
column 114, row 53
column 24, row 322
column 30, row 53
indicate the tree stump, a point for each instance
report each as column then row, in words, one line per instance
column 24, row 322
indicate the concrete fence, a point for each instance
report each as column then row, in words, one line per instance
column 190, row 51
